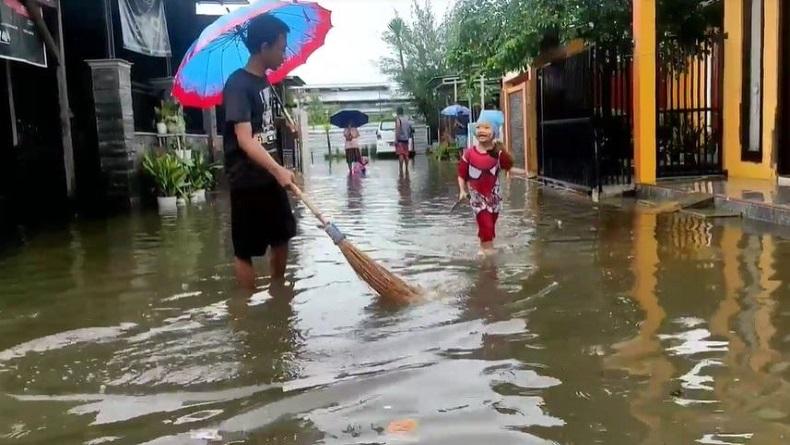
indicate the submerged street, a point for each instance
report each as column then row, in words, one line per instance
column 594, row 324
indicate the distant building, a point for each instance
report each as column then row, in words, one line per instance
column 370, row 98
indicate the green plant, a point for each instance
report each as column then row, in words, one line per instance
column 496, row 36
column 681, row 138
column 169, row 109
column 201, row 174
column 446, row 152
column 168, row 173
column 416, row 56
column 172, row 115
column 160, row 114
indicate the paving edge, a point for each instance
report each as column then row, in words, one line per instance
column 749, row 209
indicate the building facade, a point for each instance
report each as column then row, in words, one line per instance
column 375, row 99
column 737, row 92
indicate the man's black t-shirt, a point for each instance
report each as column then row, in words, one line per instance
column 247, row 98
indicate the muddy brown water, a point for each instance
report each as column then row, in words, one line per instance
column 595, row 324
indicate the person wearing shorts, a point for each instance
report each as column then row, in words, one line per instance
column 403, row 134
column 261, row 216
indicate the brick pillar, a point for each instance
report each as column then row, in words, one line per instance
column 112, row 97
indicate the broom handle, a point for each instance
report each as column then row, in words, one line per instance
column 309, row 204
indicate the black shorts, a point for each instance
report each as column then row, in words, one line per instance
column 261, row 217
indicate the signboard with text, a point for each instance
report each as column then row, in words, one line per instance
column 19, row 38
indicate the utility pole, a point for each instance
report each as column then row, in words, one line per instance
column 108, row 27
column 11, row 105
column 65, row 110
column 482, row 93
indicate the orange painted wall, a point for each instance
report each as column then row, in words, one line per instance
column 733, row 90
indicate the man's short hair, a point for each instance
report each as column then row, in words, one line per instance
column 264, row 29
column 400, row 110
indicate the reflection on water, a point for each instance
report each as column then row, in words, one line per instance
column 593, row 325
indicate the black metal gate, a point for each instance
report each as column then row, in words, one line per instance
column 688, row 113
column 584, row 120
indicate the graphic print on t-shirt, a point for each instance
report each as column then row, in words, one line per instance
column 268, row 135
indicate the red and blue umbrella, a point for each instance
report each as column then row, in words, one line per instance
column 220, row 49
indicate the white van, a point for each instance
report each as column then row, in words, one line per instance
column 385, row 138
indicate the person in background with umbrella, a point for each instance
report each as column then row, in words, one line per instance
column 261, row 216
column 462, row 130
column 349, row 121
column 353, row 153
column 459, row 122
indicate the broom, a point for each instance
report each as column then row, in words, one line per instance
column 384, row 282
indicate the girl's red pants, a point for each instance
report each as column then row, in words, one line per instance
column 486, row 226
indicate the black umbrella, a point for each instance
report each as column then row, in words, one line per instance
column 345, row 117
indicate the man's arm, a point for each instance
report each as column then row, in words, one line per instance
column 259, row 155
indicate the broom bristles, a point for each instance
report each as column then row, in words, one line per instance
column 384, row 282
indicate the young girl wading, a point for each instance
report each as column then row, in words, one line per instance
column 478, row 172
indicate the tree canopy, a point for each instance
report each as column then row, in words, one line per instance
column 416, row 55
column 496, row 36
column 491, row 37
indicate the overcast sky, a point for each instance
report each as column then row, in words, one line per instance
column 354, row 44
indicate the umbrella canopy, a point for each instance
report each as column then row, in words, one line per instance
column 455, row 110
column 345, row 117
column 220, row 49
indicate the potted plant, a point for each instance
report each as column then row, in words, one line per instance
column 173, row 117
column 200, row 177
column 180, row 148
column 161, row 126
column 169, row 174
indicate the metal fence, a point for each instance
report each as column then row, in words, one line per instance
column 289, row 148
column 316, row 143
column 584, row 120
column 688, row 112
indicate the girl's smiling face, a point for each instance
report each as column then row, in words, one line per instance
column 484, row 133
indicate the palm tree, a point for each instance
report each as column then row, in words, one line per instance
column 397, row 28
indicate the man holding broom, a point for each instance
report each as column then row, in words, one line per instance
column 261, row 216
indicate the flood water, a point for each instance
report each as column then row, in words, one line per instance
column 595, row 324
